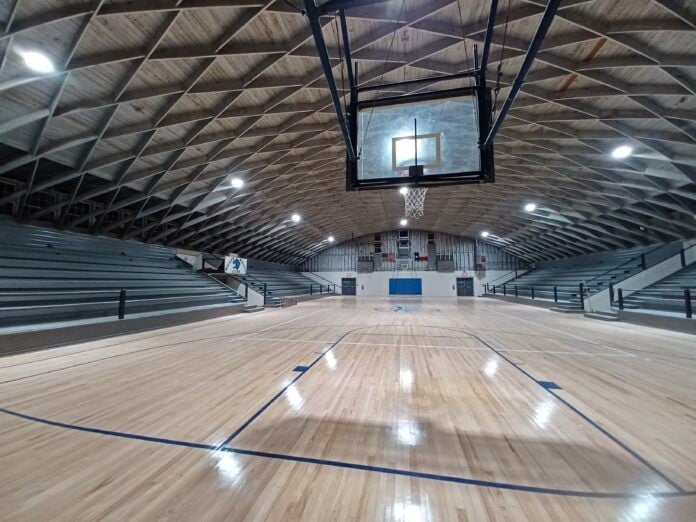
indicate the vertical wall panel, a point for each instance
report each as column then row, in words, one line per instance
column 344, row 256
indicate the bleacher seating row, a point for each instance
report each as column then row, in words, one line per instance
column 666, row 295
column 49, row 276
column 279, row 283
column 594, row 271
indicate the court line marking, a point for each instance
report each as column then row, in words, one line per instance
column 161, row 347
column 594, row 424
column 173, row 330
column 350, row 465
column 263, row 408
column 246, row 336
column 179, row 344
column 444, row 347
column 605, row 432
column 158, row 333
column 679, row 490
column 583, row 339
column 635, row 350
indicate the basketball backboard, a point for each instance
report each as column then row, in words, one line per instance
column 423, row 139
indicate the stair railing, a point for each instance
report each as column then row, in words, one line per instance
column 640, row 257
column 330, row 283
column 682, row 255
column 227, row 287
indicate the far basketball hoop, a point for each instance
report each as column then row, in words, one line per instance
column 414, row 200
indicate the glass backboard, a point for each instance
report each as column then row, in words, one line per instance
column 420, row 139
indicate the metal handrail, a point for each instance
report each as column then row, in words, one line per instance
column 685, row 294
column 228, row 287
column 683, row 251
column 683, row 264
column 639, row 256
column 504, row 275
column 537, row 287
column 321, row 287
column 236, row 277
column 578, row 291
column 330, row 282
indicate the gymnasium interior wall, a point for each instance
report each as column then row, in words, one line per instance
column 435, row 284
column 463, row 250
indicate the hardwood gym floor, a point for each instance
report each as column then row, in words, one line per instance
column 356, row 409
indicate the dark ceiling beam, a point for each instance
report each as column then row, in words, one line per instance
column 313, row 17
column 331, row 6
column 534, row 46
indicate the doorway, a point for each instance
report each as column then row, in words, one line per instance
column 348, row 286
column 465, row 287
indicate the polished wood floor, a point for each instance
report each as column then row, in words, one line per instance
column 356, row 409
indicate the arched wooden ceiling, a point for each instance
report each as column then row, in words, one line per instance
column 155, row 106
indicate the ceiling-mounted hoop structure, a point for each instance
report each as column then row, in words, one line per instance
column 480, row 92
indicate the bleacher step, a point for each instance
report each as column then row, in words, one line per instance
column 602, row 316
column 568, row 309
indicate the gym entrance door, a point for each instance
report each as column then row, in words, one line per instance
column 348, row 286
column 465, row 286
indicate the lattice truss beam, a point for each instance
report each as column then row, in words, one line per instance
column 155, row 106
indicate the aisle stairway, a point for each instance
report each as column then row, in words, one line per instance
column 595, row 271
column 666, row 295
column 279, row 284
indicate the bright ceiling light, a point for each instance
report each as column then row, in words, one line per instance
column 331, row 239
column 37, row 61
column 296, row 218
column 403, row 222
column 485, row 234
column 530, row 207
column 624, row 151
column 403, row 190
column 237, row 183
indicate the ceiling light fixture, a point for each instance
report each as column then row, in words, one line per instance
column 530, row 207
column 237, row 183
column 37, row 61
column 485, row 233
column 331, row 239
column 403, row 190
column 296, row 218
column 624, row 151
column 403, row 222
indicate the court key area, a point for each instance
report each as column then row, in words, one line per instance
column 408, row 409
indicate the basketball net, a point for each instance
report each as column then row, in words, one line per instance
column 414, row 200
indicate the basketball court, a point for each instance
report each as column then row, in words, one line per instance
column 400, row 409
column 348, row 260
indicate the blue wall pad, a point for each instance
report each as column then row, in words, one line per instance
column 405, row 287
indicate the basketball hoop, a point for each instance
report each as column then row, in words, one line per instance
column 414, row 199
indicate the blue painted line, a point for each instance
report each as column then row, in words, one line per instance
column 300, row 368
column 457, row 480
column 278, row 395
column 680, row 492
column 548, row 385
column 98, row 431
column 350, row 465
column 605, row 432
